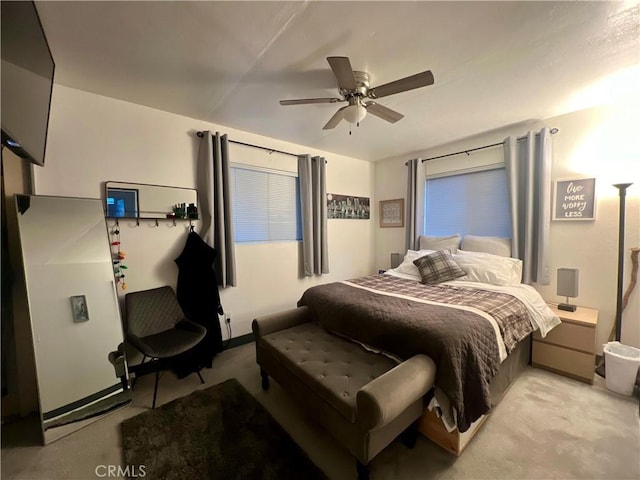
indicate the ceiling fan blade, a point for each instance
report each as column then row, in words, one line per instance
column 305, row 101
column 335, row 120
column 408, row 83
column 341, row 67
column 383, row 112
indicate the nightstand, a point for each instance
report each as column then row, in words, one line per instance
column 569, row 349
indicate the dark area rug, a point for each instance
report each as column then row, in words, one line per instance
column 221, row 432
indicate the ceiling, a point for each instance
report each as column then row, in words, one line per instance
column 495, row 63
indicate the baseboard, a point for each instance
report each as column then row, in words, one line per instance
column 241, row 340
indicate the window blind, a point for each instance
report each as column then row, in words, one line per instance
column 474, row 203
column 265, row 206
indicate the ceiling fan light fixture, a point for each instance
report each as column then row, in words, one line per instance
column 355, row 113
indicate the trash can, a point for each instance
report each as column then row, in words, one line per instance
column 621, row 367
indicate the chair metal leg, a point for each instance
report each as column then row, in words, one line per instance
column 155, row 389
column 195, row 362
column 135, row 379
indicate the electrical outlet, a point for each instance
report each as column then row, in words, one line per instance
column 227, row 317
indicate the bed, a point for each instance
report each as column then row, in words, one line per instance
column 474, row 322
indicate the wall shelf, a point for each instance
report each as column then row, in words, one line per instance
column 137, row 220
column 140, row 201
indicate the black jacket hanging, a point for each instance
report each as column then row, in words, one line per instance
column 197, row 292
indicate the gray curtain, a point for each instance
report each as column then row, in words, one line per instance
column 411, row 228
column 528, row 166
column 215, row 204
column 313, row 204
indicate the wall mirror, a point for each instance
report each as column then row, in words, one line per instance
column 139, row 200
column 74, row 312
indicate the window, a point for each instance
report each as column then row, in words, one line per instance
column 266, row 205
column 474, row 203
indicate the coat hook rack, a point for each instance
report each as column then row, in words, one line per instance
column 173, row 222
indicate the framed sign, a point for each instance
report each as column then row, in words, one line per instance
column 347, row 206
column 79, row 308
column 574, row 199
column 392, row 213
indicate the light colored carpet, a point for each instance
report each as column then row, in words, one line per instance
column 546, row 427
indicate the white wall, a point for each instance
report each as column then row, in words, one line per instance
column 595, row 142
column 600, row 143
column 93, row 139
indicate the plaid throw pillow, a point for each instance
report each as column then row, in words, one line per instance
column 438, row 267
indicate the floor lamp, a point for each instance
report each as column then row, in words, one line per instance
column 622, row 187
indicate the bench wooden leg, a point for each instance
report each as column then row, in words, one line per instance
column 265, row 379
column 363, row 470
column 408, row 437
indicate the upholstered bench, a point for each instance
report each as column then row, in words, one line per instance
column 364, row 399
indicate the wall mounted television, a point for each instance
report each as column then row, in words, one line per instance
column 27, row 81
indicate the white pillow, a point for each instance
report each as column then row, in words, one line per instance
column 450, row 243
column 407, row 266
column 494, row 245
column 488, row 268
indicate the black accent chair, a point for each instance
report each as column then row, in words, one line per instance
column 157, row 327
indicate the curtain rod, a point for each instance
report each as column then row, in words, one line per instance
column 270, row 150
column 553, row 132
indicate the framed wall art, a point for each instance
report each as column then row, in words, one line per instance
column 79, row 308
column 348, row 206
column 574, row 199
column 392, row 213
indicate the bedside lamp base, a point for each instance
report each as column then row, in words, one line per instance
column 567, row 307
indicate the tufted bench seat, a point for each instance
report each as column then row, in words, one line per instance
column 364, row 399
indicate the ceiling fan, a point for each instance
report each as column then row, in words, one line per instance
column 354, row 89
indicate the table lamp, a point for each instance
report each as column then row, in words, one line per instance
column 567, row 287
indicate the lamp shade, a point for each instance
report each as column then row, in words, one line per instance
column 568, row 282
column 355, row 113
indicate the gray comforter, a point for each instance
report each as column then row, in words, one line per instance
column 462, row 343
